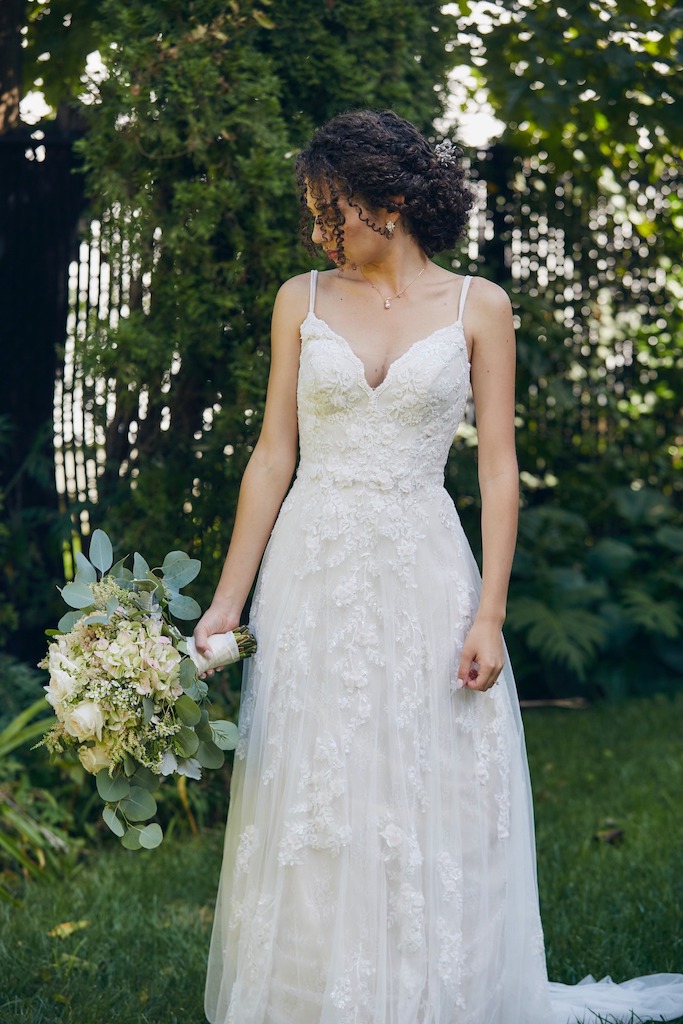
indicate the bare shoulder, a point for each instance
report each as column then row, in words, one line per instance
column 291, row 303
column 293, row 292
column 487, row 299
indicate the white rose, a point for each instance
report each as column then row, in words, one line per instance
column 85, row 721
column 60, row 688
column 94, row 759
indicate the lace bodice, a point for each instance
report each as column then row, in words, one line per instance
column 398, row 433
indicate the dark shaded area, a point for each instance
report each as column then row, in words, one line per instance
column 41, row 200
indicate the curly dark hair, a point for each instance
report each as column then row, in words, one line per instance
column 367, row 156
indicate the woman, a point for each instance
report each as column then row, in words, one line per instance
column 379, row 864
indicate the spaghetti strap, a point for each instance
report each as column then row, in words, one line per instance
column 314, row 285
column 463, row 297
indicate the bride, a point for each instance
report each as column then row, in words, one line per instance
column 379, row 863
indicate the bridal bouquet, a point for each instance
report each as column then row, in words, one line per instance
column 125, row 686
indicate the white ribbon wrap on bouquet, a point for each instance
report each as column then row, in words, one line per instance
column 224, row 651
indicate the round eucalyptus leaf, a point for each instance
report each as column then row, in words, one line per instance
column 179, row 574
column 140, row 805
column 113, row 821
column 130, row 765
column 174, row 558
column 225, row 734
column 209, row 755
column 197, row 689
column 79, row 595
column 68, row 621
column 112, row 788
column 188, row 712
column 184, row 607
column 186, row 741
column 151, row 836
column 131, row 840
column 146, row 779
column 101, row 551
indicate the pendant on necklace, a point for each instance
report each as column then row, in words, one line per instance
column 387, row 304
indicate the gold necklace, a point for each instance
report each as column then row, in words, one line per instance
column 387, row 301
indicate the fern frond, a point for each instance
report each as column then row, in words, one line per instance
column 662, row 617
column 565, row 636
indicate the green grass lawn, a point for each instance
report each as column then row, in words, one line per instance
column 608, row 907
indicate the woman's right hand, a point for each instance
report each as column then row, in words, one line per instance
column 216, row 619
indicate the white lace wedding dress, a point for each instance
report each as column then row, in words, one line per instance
column 379, row 863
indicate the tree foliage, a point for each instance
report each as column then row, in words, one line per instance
column 189, row 160
column 586, row 204
column 59, row 36
column 189, row 163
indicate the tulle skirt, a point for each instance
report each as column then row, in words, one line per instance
column 379, row 861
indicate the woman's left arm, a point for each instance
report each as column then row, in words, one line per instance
column 491, row 326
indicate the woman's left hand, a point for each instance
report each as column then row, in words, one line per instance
column 482, row 658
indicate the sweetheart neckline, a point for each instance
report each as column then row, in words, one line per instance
column 361, row 365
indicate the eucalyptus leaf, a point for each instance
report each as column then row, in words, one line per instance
column 188, row 712
column 197, row 689
column 112, row 605
column 147, row 709
column 209, row 755
column 186, row 741
column 174, row 558
column 179, row 574
column 184, row 607
column 139, row 805
column 140, row 567
column 68, row 621
column 86, row 571
column 130, row 765
column 146, row 779
column 112, row 788
column 113, row 821
column 119, row 570
column 101, row 551
column 151, row 836
column 79, row 595
column 131, row 840
column 225, row 734
column 203, row 728
column 188, row 673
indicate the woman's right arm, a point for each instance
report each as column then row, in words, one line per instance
column 269, row 470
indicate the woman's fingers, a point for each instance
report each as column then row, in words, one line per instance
column 477, row 673
column 485, row 677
